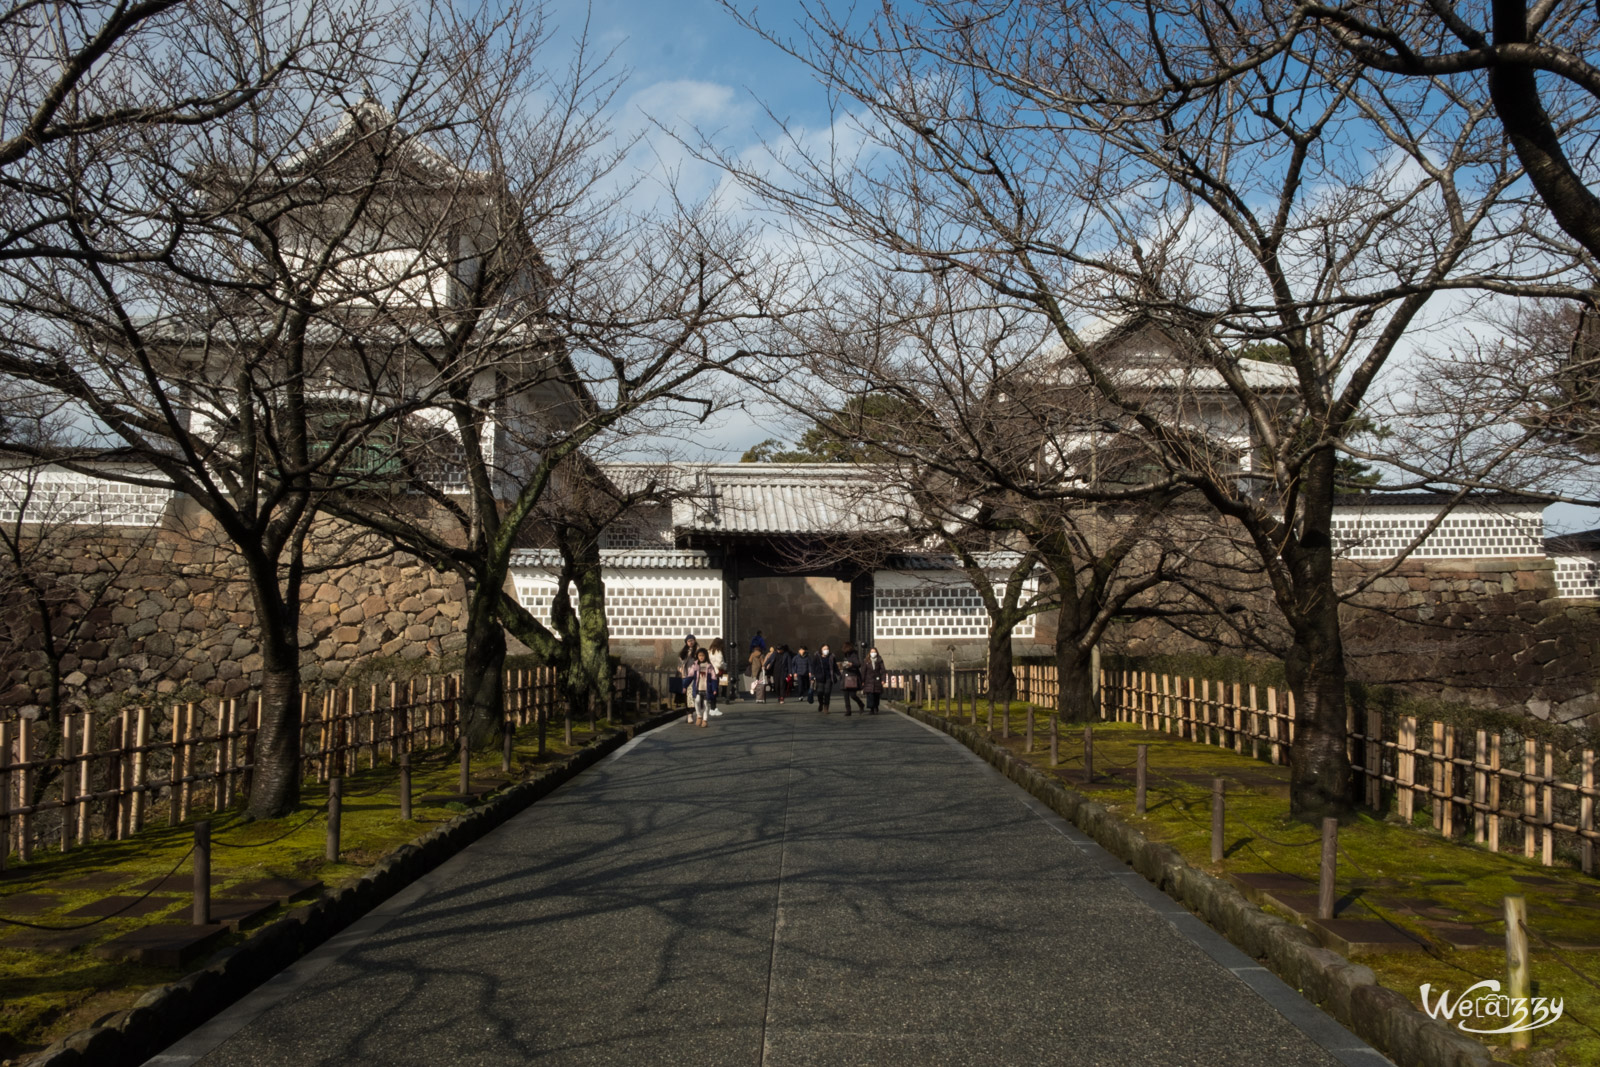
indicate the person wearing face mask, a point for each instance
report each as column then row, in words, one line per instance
column 824, row 675
column 873, row 676
column 850, row 676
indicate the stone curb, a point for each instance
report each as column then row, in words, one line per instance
column 1347, row 991
column 166, row 1013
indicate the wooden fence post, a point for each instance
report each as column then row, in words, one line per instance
column 1274, row 750
column 1494, row 792
column 5, row 793
column 1586, row 813
column 1530, row 796
column 1374, row 760
column 24, row 779
column 1406, row 772
column 85, row 776
column 141, row 735
column 1547, row 844
column 1480, row 787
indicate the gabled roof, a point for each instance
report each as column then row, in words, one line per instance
column 774, row 498
column 1147, row 358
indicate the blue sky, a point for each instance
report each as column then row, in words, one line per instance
column 689, row 64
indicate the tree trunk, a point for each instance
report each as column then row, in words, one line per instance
column 594, row 636
column 275, row 780
column 1074, row 677
column 1002, row 680
column 483, row 673
column 1319, row 765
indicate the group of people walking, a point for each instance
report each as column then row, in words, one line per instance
column 816, row 676
column 800, row 674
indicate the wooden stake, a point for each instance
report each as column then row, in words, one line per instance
column 1218, row 822
column 335, row 813
column 1518, row 979
column 1330, row 868
column 1141, row 773
column 202, row 873
column 405, row 786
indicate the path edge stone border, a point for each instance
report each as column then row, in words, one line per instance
column 166, row 1013
column 1347, row 991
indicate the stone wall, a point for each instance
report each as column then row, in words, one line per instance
column 1489, row 633
column 158, row 610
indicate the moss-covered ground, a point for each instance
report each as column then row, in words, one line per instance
column 46, row 994
column 1402, row 875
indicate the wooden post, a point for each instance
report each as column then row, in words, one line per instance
column 1140, row 779
column 1494, row 793
column 5, row 793
column 1518, row 979
column 1218, row 823
column 1088, row 753
column 24, row 790
column 141, row 734
column 466, row 759
column 119, row 800
column 202, row 873
column 186, row 788
column 85, row 776
column 1330, row 868
column 175, row 774
column 1374, row 760
column 1480, row 787
column 991, row 715
column 68, row 807
column 1547, row 842
column 1204, row 728
column 1406, row 772
column 335, row 813
column 1530, row 796
column 1274, row 751
column 1437, row 780
column 507, row 734
column 1255, row 724
column 1447, row 779
column 1586, row 813
column 1238, row 720
column 1027, row 744
column 405, row 786
column 1055, row 739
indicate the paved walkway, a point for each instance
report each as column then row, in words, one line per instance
column 778, row 889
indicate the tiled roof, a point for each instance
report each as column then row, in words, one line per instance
column 620, row 559
column 923, row 561
column 774, row 498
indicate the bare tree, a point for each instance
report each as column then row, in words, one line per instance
column 234, row 300
column 1206, row 184
column 1549, row 121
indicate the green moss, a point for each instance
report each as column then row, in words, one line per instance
column 45, row 995
column 1385, row 864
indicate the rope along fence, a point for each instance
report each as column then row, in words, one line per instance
column 106, row 775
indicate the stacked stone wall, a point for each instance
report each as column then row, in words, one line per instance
column 1490, row 633
column 159, row 611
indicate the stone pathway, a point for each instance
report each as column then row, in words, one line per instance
column 778, row 889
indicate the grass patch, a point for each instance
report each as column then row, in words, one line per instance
column 47, row 994
column 1391, row 870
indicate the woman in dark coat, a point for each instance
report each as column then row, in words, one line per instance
column 850, row 676
column 824, row 676
column 873, row 676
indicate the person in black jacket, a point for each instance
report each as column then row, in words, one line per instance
column 800, row 670
column 850, row 676
column 824, row 675
column 874, row 675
